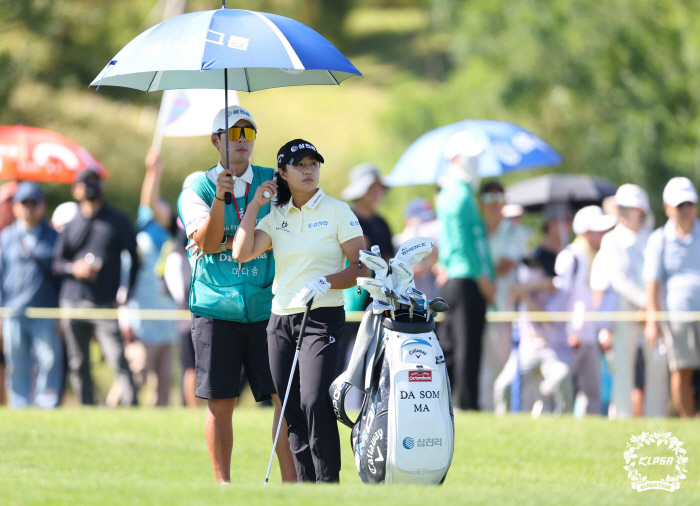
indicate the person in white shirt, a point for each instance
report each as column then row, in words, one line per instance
column 312, row 236
column 617, row 271
column 573, row 278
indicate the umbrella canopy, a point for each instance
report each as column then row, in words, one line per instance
column 577, row 190
column 508, row 148
column 35, row 154
column 260, row 51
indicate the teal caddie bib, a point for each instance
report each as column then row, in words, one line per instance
column 219, row 288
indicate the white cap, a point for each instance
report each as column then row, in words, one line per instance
column 512, row 210
column 592, row 219
column 631, row 195
column 464, row 144
column 235, row 113
column 679, row 190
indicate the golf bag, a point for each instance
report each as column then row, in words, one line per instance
column 405, row 430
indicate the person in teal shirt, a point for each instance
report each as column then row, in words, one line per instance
column 464, row 256
column 230, row 302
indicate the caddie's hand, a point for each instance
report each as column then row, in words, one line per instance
column 574, row 341
column 224, row 184
column 651, row 332
column 314, row 290
column 83, row 270
column 196, row 252
column 267, row 186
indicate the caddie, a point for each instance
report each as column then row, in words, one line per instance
column 230, row 302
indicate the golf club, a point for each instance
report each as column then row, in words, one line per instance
column 289, row 385
column 374, row 287
column 379, row 306
column 414, row 250
column 412, row 290
column 388, row 293
column 401, row 274
column 375, row 263
column 414, row 304
column 437, row 305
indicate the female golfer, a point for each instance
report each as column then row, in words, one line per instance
column 311, row 234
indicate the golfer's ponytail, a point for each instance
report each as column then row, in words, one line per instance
column 284, row 194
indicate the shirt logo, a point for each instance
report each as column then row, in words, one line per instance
column 331, row 339
column 284, row 224
column 316, row 224
column 354, row 223
column 283, row 227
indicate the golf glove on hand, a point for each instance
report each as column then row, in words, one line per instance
column 314, row 290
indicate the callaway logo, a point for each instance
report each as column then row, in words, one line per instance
column 376, row 437
column 407, row 250
column 417, row 352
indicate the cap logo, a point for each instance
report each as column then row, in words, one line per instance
column 294, row 149
column 239, row 111
column 280, row 158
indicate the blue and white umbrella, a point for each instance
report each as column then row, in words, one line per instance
column 508, row 148
column 259, row 51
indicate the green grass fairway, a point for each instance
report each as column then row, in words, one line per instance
column 145, row 456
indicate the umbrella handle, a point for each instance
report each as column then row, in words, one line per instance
column 228, row 197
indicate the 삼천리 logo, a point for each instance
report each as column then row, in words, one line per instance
column 669, row 459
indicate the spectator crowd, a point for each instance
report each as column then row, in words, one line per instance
column 89, row 256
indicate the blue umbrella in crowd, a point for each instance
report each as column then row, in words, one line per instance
column 226, row 49
column 508, row 148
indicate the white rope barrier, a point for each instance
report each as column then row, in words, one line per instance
column 352, row 316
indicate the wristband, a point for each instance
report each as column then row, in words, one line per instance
column 222, row 246
column 217, row 198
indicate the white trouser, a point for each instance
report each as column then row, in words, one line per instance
column 555, row 373
column 585, row 370
column 626, row 338
column 494, row 355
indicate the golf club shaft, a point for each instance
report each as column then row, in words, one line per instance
column 227, row 197
column 289, row 386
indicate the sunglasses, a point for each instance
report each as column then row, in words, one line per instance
column 29, row 203
column 493, row 198
column 234, row 133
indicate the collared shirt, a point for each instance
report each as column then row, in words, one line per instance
column 464, row 250
column 675, row 261
column 195, row 210
column 506, row 241
column 307, row 245
column 23, row 283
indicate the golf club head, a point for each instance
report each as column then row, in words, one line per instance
column 374, row 287
column 414, row 302
column 379, row 306
column 414, row 250
column 375, row 263
column 415, row 292
column 401, row 272
column 438, row 305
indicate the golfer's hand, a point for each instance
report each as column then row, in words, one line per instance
column 314, row 290
column 651, row 332
column 267, row 186
column 196, row 252
column 224, row 184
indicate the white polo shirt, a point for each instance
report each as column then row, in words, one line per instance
column 306, row 243
column 195, row 210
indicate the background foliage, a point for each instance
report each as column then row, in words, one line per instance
column 611, row 84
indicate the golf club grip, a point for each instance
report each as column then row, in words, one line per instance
column 303, row 323
column 228, row 199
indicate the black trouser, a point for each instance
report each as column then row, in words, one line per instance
column 460, row 335
column 312, row 426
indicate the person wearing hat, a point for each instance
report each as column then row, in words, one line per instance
column 366, row 192
column 313, row 237
column 464, row 254
column 672, row 267
column 617, row 272
column 88, row 257
column 26, row 249
column 230, row 300
column 573, row 266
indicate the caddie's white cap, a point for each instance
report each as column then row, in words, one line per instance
column 235, row 113
column 592, row 219
column 631, row 195
column 679, row 190
column 464, row 144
